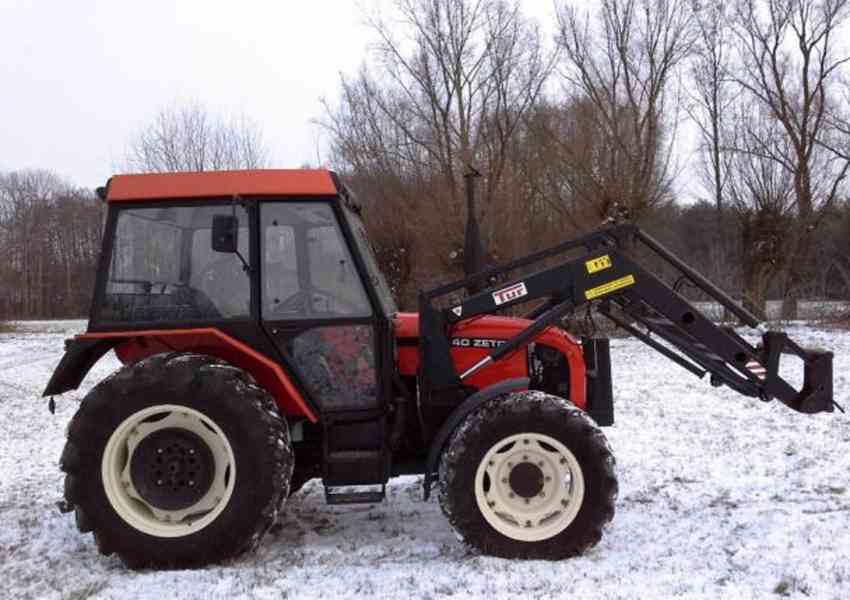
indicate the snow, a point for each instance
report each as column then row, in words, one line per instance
column 807, row 310
column 720, row 497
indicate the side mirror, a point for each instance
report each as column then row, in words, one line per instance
column 225, row 233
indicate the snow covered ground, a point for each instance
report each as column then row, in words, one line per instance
column 720, row 497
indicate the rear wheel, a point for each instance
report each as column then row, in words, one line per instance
column 528, row 476
column 179, row 460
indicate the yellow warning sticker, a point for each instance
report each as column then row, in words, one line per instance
column 598, row 264
column 611, row 286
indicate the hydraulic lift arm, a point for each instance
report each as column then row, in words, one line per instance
column 627, row 294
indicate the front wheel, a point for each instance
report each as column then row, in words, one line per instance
column 528, row 475
column 180, row 460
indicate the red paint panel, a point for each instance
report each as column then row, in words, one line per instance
column 514, row 365
column 169, row 186
column 269, row 374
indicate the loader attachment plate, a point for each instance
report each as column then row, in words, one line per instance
column 816, row 394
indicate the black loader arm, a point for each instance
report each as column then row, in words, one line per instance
column 80, row 356
column 640, row 303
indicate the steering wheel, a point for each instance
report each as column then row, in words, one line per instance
column 301, row 302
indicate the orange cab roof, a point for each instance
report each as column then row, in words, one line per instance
column 166, row 186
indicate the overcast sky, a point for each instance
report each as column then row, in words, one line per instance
column 79, row 77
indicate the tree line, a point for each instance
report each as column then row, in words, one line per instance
column 570, row 132
column 566, row 133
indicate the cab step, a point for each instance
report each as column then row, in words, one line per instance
column 371, row 496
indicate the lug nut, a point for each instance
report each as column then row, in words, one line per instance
column 524, row 441
column 491, row 463
column 504, row 479
column 548, row 478
column 511, row 495
column 525, row 457
column 564, row 503
column 527, row 501
column 563, row 461
column 540, row 464
column 528, row 523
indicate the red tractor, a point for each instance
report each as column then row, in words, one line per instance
column 262, row 348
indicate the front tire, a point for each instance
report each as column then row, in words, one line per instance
column 528, row 475
column 180, row 460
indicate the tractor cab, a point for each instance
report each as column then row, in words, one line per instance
column 270, row 270
column 291, row 274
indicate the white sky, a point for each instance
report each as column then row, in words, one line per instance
column 79, row 77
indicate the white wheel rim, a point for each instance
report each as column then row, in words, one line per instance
column 126, row 500
column 544, row 515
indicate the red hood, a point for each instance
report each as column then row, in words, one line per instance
column 500, row 328
column 491, row 328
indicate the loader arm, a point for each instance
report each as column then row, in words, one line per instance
column 607, row 273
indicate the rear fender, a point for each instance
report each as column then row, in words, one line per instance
column 80, row 356
column 83, row 351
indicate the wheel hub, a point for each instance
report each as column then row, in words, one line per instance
column 526, row 480
column 172, row 468
column 130, row 470
column 529, row 486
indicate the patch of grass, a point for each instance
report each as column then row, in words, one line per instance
column 6, row 327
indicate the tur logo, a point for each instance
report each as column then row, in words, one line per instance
column 509, row 293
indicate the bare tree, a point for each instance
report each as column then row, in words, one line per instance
column 762, row 194
column 189, row 138
column 712, row 93
column 789, row 65
column 622, row 61
column 447, row 85
column 50, row 239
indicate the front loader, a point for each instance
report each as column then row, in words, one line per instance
column 262, row 348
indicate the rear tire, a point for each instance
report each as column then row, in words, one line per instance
column 177, row 461
column 528, row 475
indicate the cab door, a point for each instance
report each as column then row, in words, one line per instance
column 315, row 307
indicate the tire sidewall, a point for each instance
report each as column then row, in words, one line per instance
column 253, row 488
column 462, row 462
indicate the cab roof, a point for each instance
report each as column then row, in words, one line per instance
column 212, row 184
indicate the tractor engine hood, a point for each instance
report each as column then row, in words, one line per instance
column 474, row 338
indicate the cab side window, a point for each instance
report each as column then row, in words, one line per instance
column 163, row 268
column 308, row 272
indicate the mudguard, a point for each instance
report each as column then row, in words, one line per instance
column 81, row 354
column 83, row 351
column 465, row 408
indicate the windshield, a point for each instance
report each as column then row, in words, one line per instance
column 385, row 296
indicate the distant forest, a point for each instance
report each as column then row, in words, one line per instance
column 565, row 132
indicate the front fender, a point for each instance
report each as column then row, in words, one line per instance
column 464, row 409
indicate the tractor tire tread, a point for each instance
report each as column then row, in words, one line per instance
column 194, row 371
column 456, row 475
